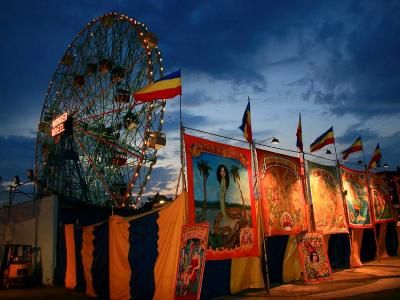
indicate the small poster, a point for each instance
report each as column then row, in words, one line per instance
column 191, row 261
column 220, row 193
column 314, row 258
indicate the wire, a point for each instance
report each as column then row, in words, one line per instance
column 260, row 144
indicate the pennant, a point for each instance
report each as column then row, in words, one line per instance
column 325, row 139
column 376, row 158
column 246, row 124
column 355, row 147
column 165, row 88
column 299, row 135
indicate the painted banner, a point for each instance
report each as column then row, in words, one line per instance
column 193, row 246
column 282, row 193
column 355, row 189
column 313, row 256
column 380, row 197
column 221, row 193
column 328, row 206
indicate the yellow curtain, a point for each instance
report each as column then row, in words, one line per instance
column 291, row 261
column 381, row 253
column 356, row 239
column 170, row 223
column 246, row 271
column 119, row 267
column 87, row 258
column 70, row 272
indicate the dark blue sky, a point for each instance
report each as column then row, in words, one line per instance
column 336, row 62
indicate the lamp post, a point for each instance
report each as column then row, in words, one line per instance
column 273, row 140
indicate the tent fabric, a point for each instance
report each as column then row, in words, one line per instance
column 100, row 269
column 356, row 239
column 339, row 251
column 381, row 232
column 87, row 258
column 70, row 273
column 291, row 261
column 170, row 222
column 392, row 242
column 246, row 272
column 368, row 245
column 143, row 236
column 276, row 249
column 216, row 279
column 120, row 272
column 80, row 277
column 61, row 259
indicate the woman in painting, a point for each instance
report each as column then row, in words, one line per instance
column 225, row 224
column 223, row 179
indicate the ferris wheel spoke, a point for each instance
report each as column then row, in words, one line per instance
column 93, row 165
column 102, row 114
column 107, row 142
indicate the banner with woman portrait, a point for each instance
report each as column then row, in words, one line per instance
column 328, row 206
column 191, row 261
column 381, row 199
column 220, row 193
column 356, row 197
column 314, row 257
column 283, row 205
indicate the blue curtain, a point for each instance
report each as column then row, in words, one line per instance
column 339, row 251
column 143, row 251
column 276, row 247
column 216, row 279
column 100, row 269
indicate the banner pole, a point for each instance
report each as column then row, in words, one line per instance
column 182, row 131
column 260, row 213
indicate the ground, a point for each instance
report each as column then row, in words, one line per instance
column 378, row 279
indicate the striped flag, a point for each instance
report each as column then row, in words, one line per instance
column 299, row 135
column 246, row 124
column 376, row 158
column 165, row 88
column 355, row 147
column 325, row 139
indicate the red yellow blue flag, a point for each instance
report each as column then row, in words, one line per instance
column 376, row 158
column 246, row 124
column 355, row 147
column 165, row 88
column 325, row 139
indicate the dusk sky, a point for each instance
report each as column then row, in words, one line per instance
column 335, row 62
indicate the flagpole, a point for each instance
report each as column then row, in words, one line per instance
column 182, row 131
column 254, row 162
column 260, row 213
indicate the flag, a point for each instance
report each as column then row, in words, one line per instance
column 355, row 147
column 299, row 135
column 376, row 158
column 325, row 139
column 165, row 88
column 246, row 124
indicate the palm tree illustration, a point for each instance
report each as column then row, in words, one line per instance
column 236, row 179
column 204, row 170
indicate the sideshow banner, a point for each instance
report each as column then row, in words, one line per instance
column 313, row 257
column 283, row 205
column 221, row 193
column 355, row 188
column 191, row 261
column 380, row 197
column 329, row 214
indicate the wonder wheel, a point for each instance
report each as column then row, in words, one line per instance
column 95, row 143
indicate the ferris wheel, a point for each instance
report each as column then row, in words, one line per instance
column 95, row 143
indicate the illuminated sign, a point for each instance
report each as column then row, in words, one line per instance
column 57, row 125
